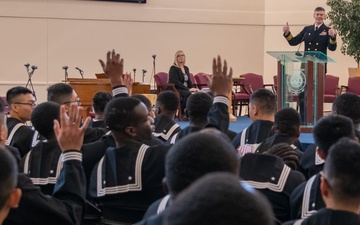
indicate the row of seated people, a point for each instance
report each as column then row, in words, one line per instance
column 124, row 170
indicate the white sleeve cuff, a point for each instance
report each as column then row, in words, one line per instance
column 120, row 90
column 221, row 99
column 72, row 155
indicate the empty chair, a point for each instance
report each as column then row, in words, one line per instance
column 161, row 80
column 201, row 80
column 240, row 97
column 353, row 85
column 192, row 79
column 253, row 81
column 331, row 88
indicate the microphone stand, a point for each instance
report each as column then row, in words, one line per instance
column 134, row 73
column 66, row 73
column 30, row 74
column 144, row 71
column 153, row 70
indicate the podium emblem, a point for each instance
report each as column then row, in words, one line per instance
column 296, row 82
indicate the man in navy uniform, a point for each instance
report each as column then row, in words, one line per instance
column 317, row 37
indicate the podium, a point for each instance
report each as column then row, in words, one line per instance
column 86, row 89
column 301, row 80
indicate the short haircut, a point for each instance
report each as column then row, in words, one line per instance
column 330, row 129
column 264, row 100
column 13, row 93
column 169, row 100
column 319, row 8
column 43, row 116
column 119, row 113
column 286, row 153
column 8, row 175
column 100, row 100
column 287, row 122
column 144, row 100
column 59, row 92
column 198, row 105
column 348, row 104
column 342, row 169
column 197, row 154
column 219, row 199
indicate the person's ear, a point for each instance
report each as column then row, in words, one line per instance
column 14, row 198
column 324, row 188
column 131, row 131
column 356, row 139
column 298, row 132
column 3, row 134
column 14, row 108
column 321, row 153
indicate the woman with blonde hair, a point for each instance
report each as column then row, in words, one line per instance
column 179, row 75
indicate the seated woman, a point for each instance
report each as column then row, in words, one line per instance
column 180, row 76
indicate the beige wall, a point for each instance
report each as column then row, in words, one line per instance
column 54, row 33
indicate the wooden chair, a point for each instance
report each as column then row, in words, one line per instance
column 353, row 86
column 253, row 81
column 240, row 97
column 161, row 80
column 331, row 88
column 201, row 80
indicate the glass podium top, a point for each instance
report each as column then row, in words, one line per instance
column 301, row 56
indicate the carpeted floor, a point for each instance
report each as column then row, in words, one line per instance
column 244, row 121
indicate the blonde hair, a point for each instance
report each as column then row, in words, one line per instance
column 176, row 56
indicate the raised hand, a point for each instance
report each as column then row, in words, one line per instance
column 332, row 32
column 128, row 82
column 68, row 132
column 221, row 81
column 286, row 28
column 113, row 68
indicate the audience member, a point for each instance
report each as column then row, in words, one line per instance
column 286, row 129
column 262, row 108
column 99, row 102
column 179, row 75
column 219, row 198
column 270, row 175
column 21, row 103
column 125, row 198
column 4, row 133
column 340, row 186
column 43, row 163
column 188, row 160
column 165, row 110
column 306, row 198
column 9, row 195
column 67, row 204
column 347, row 104
column 64, row 94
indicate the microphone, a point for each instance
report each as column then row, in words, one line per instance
column 65, row 67
column 154, row 56
column 27, row 65
column 80, row 71
column 34, row 67
column 297, row 53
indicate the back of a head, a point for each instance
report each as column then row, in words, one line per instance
column 287, row 122
column 43, row 117
column 13, row 93
column 198, row 105
column 342, row 169
column 119, row 113
column 348, row 104
column 286, row 153
column 168, row 100
column 59, row 92
column 8, row 175
column 144, row 100
column 100, row 100
column 330, row 129
column 265, row 101
column 197, row 154
column 219, row 199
